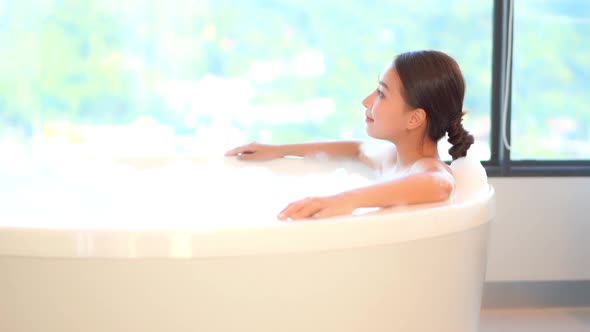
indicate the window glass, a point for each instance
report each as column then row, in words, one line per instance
column 159, row 76
column 551, row 80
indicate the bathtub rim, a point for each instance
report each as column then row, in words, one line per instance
column 384, row 227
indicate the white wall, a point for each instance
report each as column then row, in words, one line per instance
column 541, row 230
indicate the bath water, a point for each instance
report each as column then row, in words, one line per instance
column 174, row 194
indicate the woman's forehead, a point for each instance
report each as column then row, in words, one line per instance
column 386, row 69
column 388, row 74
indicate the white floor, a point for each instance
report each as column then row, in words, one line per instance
column 558, row 319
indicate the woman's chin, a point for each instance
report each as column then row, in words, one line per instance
column 371, row 134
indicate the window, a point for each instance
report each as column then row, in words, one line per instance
column 551, row 80
column 152, row 77
column 113, row 77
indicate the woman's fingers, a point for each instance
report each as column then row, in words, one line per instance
column 306, row 211
column 240, row 150
column 248, row 148
column 248, row 155
column 289, row 210
column 302, row 209
column 325, row 213
column 233, row 151
column 253, row 151
column 317, row 207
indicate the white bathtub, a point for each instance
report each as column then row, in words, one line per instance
column 406, row 269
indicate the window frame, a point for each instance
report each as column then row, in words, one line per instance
column 500, row 163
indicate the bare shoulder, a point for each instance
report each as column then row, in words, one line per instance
column 431, row 165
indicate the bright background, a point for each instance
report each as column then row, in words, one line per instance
column 160, row 76
column 151, row 77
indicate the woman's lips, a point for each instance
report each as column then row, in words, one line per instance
column 368, row 119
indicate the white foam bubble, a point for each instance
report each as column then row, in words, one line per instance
column 470, row 178
column 180, row 194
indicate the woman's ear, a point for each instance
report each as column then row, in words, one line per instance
column 417, row 118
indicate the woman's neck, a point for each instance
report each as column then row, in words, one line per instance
column 409, row 152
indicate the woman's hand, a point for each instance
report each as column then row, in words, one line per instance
column 319, row 207
column 256, row 151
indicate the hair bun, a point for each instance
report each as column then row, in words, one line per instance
column 459, row 137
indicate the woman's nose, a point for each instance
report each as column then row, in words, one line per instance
column 368, row 101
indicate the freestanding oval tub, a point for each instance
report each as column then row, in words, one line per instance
column 98, row 263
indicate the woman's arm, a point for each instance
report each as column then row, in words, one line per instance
column 375, row 155
column 413, row 189
column 432, row 182
column 335, row 149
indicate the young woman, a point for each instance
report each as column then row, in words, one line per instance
column 419, row 98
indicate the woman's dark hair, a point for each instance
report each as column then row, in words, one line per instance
column 432, row 80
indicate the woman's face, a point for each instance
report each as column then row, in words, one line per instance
column 386, row 111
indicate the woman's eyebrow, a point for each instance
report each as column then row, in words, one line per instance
column 384, row 85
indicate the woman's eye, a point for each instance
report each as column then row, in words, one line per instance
column 380, row 94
